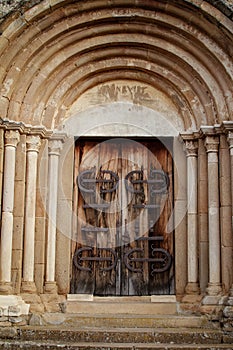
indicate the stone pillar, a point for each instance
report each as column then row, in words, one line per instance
column 54, row 153
column 214, row 286
column 32, row 149
column 225, row 213
column 230, row 141
column 203, row 217
column 180, row 216
column 192, row 286
column 11, row 140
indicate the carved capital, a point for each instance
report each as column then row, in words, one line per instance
column 12, row 138
column 191, row 148
column 230, row 141
column 212, row 143
column 55, row 147
column 33, row 143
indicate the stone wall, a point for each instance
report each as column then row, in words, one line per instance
column 94, row 69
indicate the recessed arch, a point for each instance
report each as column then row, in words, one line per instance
column 71, row 48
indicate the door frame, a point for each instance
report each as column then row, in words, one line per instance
column 168, row 143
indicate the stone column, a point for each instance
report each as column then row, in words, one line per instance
column 180, row 216
column 11, row 140
column 192, row 286
column 230, row 141
column 32, row 149
column 203, row 217
column 54, row 153
column 214, row 286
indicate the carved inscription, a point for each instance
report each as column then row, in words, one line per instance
column 135, row 93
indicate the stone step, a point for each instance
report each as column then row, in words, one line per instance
column 120, row 335
column 120, row 308
column 153, row 305
column 48, row 345
column 123, row 321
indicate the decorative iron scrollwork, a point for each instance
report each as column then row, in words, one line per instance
column 159, row 259
column 87, row 181
column 88, row 185
column 158, row 182
column 132, row 179
column 79, row 259
column 159, row 262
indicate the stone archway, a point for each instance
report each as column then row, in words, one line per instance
column 166, row 67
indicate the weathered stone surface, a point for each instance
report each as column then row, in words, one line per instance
column 121, row 308
column 5, row 324
column 14, row 310
column 35, row 320
column 54, row 319
column 52, row 307
column 9, row 6
column 12, row 305
column 135, row 336
column 35, row 302
column 16, row 320
column 228, row 311
column 8, row 332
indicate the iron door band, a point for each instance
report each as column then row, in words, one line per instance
column 129, row 258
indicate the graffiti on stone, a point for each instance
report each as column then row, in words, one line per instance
column 135, row 93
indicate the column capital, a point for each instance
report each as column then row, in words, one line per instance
column 55, row 147
column 191, row 148
column 230, row 141
column 33, row 143
column 12, row 138
column 212, row 143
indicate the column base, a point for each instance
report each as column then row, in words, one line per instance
column 214, row 289
column 192, row 295
column 50, row 287
column 211, row 300
column 6, row 288
column 192, row 288
column 28, row 287
column 214, row 294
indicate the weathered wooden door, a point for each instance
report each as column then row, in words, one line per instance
column 124, row 198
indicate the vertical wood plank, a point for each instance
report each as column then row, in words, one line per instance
column 127, row 224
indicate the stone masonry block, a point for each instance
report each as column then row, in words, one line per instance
column 226, row 226
column 39, row 252
column 18, row 233
column 39, row 277
column 20, row 165
column 35, row 11
column 41, row 202
column 17, row 259
column 40, row 229
column 14, row 310
column 19, row 194
column 14, row 107
column 4, row 103
column 3, row 44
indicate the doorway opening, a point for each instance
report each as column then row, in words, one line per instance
column 123, row 199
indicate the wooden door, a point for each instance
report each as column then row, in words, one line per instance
column 124, row 198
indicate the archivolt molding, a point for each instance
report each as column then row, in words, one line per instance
column 58, row 50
